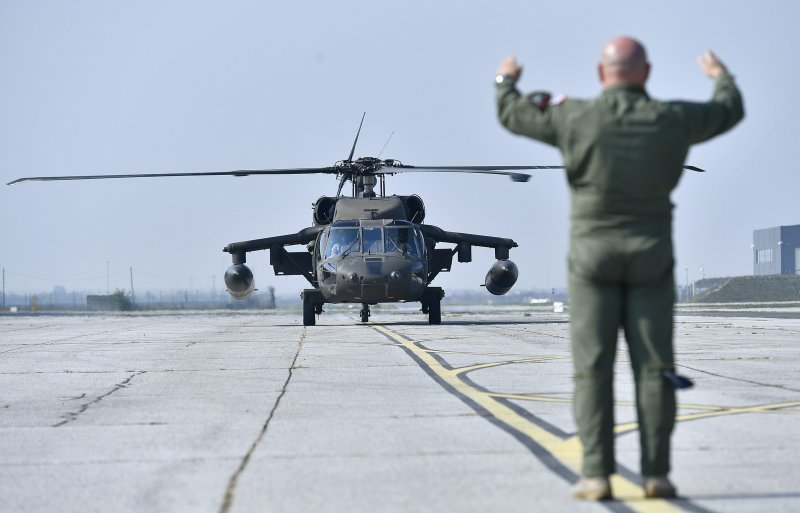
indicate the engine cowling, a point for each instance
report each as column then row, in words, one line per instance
column 240, row 282
column 415, row 208
column 323, row 209
column 501, row 277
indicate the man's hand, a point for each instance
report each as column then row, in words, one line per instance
column 509, row 68
column 711, row 65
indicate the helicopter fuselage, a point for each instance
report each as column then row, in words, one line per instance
column 371, row 261
column 370, row 250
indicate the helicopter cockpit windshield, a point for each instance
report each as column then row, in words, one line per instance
column 394, row 238
column 404, row 240
column 342, row 241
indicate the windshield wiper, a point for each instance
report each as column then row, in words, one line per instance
column 348, row 248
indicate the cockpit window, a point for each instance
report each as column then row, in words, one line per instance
column 343, row 241
column 371, row 240
column 400, row 239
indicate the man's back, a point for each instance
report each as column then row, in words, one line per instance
column 624, row 152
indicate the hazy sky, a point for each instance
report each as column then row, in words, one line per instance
column 93, row 87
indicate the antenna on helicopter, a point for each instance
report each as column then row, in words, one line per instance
column 386, row 144
column 346, row 176
column 350, row 158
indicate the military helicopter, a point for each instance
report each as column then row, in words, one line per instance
column 367, row 247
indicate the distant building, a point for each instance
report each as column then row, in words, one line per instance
column 776, row 250
column 99, row 303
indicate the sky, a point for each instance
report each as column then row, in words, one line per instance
column 96, row 87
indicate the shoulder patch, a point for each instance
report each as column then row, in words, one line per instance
column 558, row 100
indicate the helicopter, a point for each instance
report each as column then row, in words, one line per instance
column 366, row 248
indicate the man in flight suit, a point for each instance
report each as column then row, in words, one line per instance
column 623, row 153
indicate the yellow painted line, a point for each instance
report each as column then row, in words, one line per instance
column 548, row 399
column 473, row 353
column 479, row 366
column 506, row 355
column 534, row 398
column 690, row 406
column 720, row 412
column 764, row 408
column 567, row 452
column 483, row 399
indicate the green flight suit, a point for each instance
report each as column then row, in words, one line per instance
column 624, row 153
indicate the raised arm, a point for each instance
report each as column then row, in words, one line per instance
column 723, row 111
column 515, row 111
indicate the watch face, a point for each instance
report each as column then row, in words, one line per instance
column 499, row 79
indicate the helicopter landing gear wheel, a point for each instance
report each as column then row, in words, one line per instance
column 435, row 312
column 365, row 312
column 312, row 306
column 309, row 315
column 432, row 304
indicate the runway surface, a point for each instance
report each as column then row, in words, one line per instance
column 252, row 412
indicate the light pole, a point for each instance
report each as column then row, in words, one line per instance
column 687, row 283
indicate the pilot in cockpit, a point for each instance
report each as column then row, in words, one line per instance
column 342, row 241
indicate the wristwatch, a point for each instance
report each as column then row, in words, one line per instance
column 502, row 78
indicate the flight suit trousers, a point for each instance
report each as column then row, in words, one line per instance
column 622, row 280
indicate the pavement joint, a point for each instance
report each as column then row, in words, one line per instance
column 742, row 380
column 74, row 337
column 230, row 491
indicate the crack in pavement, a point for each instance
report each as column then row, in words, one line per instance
column 71, row 416
column 73, row 337
column 151, row 371
column 741, row 380
column 231, row 489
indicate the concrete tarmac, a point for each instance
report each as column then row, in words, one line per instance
column 252, row 412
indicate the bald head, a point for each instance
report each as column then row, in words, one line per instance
column 623, row 61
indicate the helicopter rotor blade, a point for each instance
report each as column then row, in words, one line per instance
column 469, row 169
column 240, row 172
column 499, row 168
column 352, row 151
column 387, row 168
column 694, row 168
column 490, row 170
column 390, row 167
